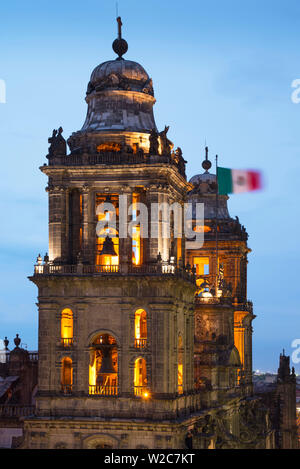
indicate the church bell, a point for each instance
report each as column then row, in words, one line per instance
column 107, row 363
column 108, row 248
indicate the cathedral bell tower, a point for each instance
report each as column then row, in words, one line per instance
column 223, row 315
column 116, row 303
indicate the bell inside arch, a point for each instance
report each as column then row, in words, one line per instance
column 108, row 248
column 107, row 366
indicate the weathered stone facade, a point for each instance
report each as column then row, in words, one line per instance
column 128, row 358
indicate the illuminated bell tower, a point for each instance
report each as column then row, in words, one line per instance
column 223, row 314
column 116, row 313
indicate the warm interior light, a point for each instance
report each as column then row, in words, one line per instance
column 106, row 259
column 140, row 373
column 109, row 147
column 180, row 377
column 180, row 365
column 103, row 366
column 67, row 325
column 67, row 373
column 206, row 294
column 140, row 327
column 202, row 229
column 136, row 232
column 202, row 265
column 136, row 245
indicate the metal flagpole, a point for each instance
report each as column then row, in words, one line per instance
column 217, row 240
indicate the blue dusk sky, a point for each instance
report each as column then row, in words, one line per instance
column 222, row 73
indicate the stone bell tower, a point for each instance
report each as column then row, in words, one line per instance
column 116, row 313
column 223, row 314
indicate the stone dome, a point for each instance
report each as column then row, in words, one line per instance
column 120, row 74
column 204, row 191
column 205, row 177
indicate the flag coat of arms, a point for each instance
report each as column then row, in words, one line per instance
column 234, row 181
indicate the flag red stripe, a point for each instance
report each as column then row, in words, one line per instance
column 254, row 180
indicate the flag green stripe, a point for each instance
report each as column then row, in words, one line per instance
column 224, row 181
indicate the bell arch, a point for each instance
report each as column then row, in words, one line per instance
column 66, row 375
column 103, row 366
column 140, row 328
column 67, row 327
column 180, row 364
column 140, row 378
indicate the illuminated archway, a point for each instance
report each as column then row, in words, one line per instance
column 66, row 375
column 140, row 378
column 67, row 327
column 103, row 368
column 140, row 328
column 180, row 365
column 106, row 259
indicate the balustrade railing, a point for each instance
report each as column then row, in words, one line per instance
column 83, row 269
column 141, row 391
column 16, row 410
column 98, row 390
column 67, row 342
column 213, row 300
column 66, row 388
column 140, row 343
column 116, row 158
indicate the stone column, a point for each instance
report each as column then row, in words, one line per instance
column 47, row 346
column 155, row 244
column 125, row 244
column 87, row 224
column 57, row 223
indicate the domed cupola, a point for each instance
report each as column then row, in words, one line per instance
column 204, row 191
column 120, row 102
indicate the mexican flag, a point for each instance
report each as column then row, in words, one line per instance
column 237, row 181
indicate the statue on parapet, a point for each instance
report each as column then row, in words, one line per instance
column 154, row 142
column 58, row 145
column 166, row 144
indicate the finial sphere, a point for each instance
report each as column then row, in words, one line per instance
column 206, row 165
column 120, row 47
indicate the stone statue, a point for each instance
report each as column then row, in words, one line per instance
column 58, row 145
column 148, row 88
column 178, row 152
column 154, row 144
column 166, row 144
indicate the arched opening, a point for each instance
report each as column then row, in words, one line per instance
column 180, row 365
column 107, row 241
column 136, row 232
column 140, row 328
column 103, row 368
column 66, row 375
column 140, row 378
column 67, row 327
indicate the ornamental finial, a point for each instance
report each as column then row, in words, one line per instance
column 120, row 46
column 206, row 163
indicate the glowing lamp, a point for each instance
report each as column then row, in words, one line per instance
column 202, row 229
column 205, row 293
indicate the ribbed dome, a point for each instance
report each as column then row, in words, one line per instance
column 120, row 74
column 205, row 192
column 204, row 177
